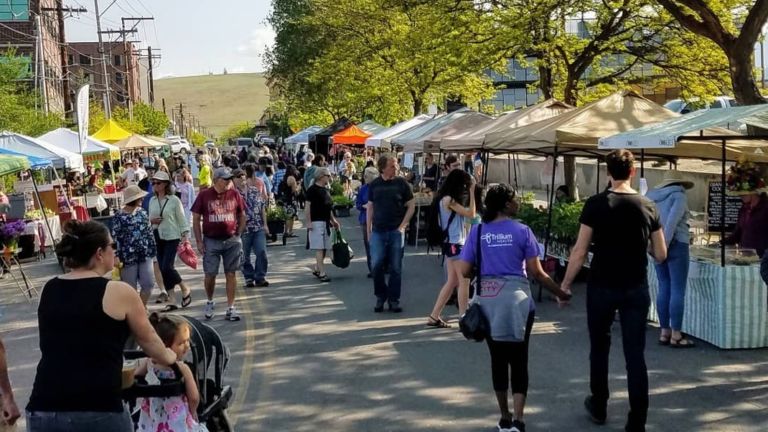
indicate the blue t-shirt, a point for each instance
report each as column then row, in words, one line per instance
column 506, row 244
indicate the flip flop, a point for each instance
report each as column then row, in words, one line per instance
column 664, row 341
column 316, row 274
column 683, row 342
column 437, row 322
column 170, row 308
column 186, row 300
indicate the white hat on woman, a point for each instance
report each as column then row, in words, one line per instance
column 132, row 193
column 673, row 177
column 161, row 176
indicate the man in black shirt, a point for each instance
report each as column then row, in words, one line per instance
column 619, row 224
column 390, row 208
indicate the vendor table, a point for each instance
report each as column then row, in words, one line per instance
column 725, row 306
column 16, row 273
column 54, row 234
column 98, row 201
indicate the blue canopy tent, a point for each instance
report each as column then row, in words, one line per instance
column 35, row 162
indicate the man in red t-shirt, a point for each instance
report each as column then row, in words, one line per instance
column 222, row 212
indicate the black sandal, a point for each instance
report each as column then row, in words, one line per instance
column 170, row 308
column 324, row 278
column 437, row 322
column 186, row 300
column 683, row 342
column 316, row 274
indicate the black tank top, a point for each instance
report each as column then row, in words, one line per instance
column 82, row 349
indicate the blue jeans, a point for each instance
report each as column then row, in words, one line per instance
column 367, row 247
column 53, row 421
column 673, row 279
column 166, row 260
column 387, row 254
column 256, row 243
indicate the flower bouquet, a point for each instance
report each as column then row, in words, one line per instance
column 744, row 178
column 10, row 233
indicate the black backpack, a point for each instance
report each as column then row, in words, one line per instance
column 436, row 235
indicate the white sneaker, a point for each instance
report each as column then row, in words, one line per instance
column 208, row 309
column 232, row 314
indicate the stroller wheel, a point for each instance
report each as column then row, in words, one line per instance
column 219, row 422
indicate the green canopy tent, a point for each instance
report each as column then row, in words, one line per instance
column 10, row 164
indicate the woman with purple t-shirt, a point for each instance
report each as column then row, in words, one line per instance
column 509, row 254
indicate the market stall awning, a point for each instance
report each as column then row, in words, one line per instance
column 350, row 136
column 94, row 151
column 577, row 132
column 34, row 161
column 302, row 137
column 667, row 133
column 473, row 139
column 111, row 132
column 381, row 139
column 37, row 147
column 371, row 127
column 10, row 164
column 471, row 121
column 138, row 142
column 411, row 140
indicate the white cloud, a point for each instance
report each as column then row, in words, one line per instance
column 261, row 38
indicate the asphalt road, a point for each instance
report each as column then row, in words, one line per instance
column 310, row 356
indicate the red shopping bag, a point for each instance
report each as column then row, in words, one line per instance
column 187, row 254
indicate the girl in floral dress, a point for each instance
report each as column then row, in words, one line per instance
column 172, row 414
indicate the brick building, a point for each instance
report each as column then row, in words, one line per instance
column 20, row 21
column 123, row 70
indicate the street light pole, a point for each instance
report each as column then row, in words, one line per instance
column 107, row 102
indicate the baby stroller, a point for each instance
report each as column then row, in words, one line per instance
column 206, row 350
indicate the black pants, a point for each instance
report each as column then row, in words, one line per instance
column 632, row 304
column 166, row 260
column 509, row 362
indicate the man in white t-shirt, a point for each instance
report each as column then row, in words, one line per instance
column 128, row 177
column 141, row 173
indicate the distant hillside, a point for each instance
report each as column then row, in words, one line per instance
column 218, row 101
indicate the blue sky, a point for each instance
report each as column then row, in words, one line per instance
column 195, row 36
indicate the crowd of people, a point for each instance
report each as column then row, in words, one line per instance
column 481, row 241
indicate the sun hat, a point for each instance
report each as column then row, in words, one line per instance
column 674, row 177
column 161, row 175
column 222, row 173
column 132, row 193
column 322, row 171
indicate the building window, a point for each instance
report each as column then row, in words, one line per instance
column 14, row 10
column 118, row 60
column 88, row 78
column 85, row 60
column 119, row 78
column 120, row 97
column 70, row 59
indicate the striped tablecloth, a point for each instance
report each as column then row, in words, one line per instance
column 725, row 306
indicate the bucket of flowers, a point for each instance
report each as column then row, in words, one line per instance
column 744, row 178
column 10, row 233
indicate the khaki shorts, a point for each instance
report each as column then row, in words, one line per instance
column 319, row 239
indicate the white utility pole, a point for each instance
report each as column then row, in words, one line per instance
column 41, row 59
column 107, row 105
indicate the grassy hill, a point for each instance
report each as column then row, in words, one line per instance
column 218, row 101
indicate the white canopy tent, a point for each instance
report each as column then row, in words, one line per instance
column 412, row 139
column 70, row 140
column 382, row 139
column 36, row 147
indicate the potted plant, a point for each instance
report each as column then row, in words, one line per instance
column 342, row 205
column 10, row 233
column 276, row 218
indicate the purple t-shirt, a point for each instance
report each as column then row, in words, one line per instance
column 506, row 244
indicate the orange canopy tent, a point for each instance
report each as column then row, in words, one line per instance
column 351, row 136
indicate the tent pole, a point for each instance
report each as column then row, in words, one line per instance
column 42, row 209
column 486, row 167
column 514, row 166
column 642, row 163
column 597, row 178
column 509, row 168
column 549, row 211
column 722, row 207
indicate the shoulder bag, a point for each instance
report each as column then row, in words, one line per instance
column 474, row 324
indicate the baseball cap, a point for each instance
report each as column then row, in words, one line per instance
column 222, row 173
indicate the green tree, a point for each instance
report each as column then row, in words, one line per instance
column 196, row 138
column 735, row 26
column 18, row 103
column 240, row 130
column 154, row 122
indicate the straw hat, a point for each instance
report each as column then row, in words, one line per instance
column 673, row 177
column 132, row 193
column 161, row 176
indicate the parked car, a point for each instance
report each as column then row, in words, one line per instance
column 243, row 142
column 179, row 144
column 684, row 107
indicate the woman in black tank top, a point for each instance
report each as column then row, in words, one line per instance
column 84, row 321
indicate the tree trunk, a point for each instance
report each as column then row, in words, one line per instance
column 545, row 81
column 742, row 78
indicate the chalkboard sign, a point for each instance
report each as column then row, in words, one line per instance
column 714, row 201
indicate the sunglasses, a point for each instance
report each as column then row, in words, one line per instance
column 155, row 183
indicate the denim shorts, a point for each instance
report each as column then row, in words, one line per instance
column 54, row 421
column 228, row 250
